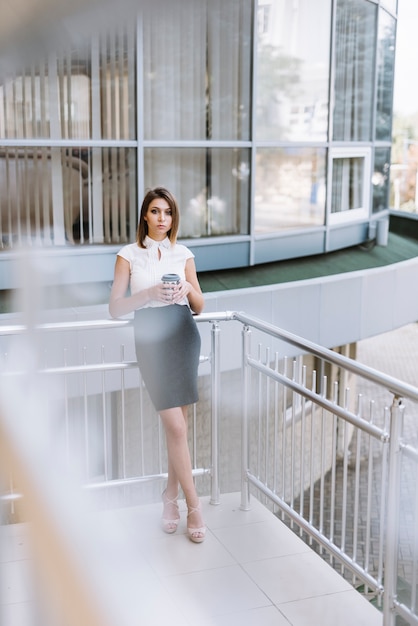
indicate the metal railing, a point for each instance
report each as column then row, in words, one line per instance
column 334, row 470
column 332, row 463
column 94, row 398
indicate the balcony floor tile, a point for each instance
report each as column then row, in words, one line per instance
column 251, row 571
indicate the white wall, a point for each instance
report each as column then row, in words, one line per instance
column 330, row 311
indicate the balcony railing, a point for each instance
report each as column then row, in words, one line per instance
column 317, row 447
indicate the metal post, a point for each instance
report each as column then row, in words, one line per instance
column 393, row 502
column 215, row 410
column 245, row 461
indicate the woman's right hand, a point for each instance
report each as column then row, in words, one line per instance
column 161, row 293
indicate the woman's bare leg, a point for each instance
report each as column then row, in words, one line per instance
column 172, row 480
column 179, row 463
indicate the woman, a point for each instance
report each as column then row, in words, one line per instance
column 166, row 339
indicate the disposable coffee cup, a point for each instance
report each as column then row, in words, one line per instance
column 170, row 279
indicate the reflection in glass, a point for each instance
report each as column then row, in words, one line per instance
column 56, row 196
column 293, row 70
column 347, row 184
column 211, row 186
column 84, row 93
column 385, row 75
column 380, row 179
column 197, row 70
column 354, row 63
column 290, row 188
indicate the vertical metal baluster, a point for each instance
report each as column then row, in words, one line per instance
column 334, row 467
column 392, row 517
column 312, row 463
column 86, row 428
column 345, row 476
column 356, row 513
column 215, row 410
column 267, row 423
column 141, row 422
column 383, row 495
column 293, row 438
column 245, row 485
column 322, row 462
column 123, row 415
column 302, row 451
column 104, row 419
column 276, row 427
column 284, row 431
column 259, row 414
column 369, row 490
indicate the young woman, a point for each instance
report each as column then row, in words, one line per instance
column 167, row 340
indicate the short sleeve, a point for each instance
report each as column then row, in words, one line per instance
column 126, row 253
column 188, row 254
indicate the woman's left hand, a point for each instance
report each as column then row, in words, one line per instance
column 180, row 291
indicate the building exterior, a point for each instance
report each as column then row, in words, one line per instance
column 270, row 120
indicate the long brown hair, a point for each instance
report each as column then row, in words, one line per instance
column 152, row 194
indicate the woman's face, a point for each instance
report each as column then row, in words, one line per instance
column 159, row 219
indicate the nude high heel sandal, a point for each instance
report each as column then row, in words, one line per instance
column 169, row 525
column 197, row 535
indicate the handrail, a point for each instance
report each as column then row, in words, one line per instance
column 385, row 583
column 396, row 386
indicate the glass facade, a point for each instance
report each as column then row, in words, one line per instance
column 355, row 50
column 88, row 93
column 196, row 66
column 237, row 106
column 290, row 188
column 347, row 184
column 385, row 76
column 380, row 179
column 293, row 70
column 211, row 186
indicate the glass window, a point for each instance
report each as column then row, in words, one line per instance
column 197, row 70
column 293, row 70
column 385, row 75
column 290, row 188
column 347, row 185
column 86, row 93
column 211, row 186
column 354, row 64
column 350, row 184
column 380, row 179
column 54, row 196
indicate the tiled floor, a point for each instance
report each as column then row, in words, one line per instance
column 250, row 571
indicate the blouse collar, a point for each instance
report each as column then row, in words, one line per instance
column 151, row 243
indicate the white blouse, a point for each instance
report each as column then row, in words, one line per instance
column 147, row 266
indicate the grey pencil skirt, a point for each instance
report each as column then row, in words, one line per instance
column 167, row 344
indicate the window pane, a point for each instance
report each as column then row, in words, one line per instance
column 293, row 69
column 380, row 179
column 385, row 71
column 67, row 196
column 211, row 186
column 347, row 184
column 113, row 75
column 290, row 189
column 354, row 63
column 197, row 62
column 84, row 93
